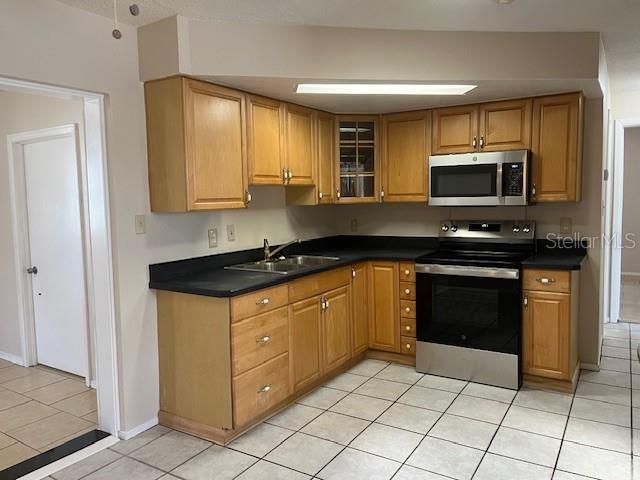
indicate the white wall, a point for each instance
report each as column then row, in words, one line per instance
column 631, row 199
column 21, row 113
column 625, row 104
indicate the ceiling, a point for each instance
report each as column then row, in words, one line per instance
column 616, row 19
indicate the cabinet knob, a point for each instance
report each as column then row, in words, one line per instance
column 407, row 309
column 263, row 301
column 482, row 142
column 320, row 195
column 284, row 175
column 546, row 280
column 408, row 346
column 407, row 291
column 248, row 197
column 338, row 194
column 353, row 273
column 263, row 340
column 264, row 389
column 475, row 142
column 289, row 174
column 408, row 328
column 406, row 273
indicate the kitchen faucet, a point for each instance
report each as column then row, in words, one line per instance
column 268, row 254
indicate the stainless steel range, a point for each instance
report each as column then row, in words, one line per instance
column 468, row 302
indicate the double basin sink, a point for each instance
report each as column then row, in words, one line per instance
column 284, row 265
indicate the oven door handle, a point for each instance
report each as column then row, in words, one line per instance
column 465, row 271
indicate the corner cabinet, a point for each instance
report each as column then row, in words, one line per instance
column 384, row 324
column 359, row 308
column 557, row 148
column 550, row 328
column 196, row 146
column 406, row 144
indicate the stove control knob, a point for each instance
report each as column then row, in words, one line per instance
column 445, row 227
column 526, row 228
column 516, row 228
column 454, row 228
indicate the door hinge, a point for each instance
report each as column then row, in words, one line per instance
column 606, row 174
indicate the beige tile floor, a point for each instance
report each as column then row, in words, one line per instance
column 39, row 409
column 384, row 421
column 630, row 299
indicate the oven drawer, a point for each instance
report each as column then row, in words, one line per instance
column 547, row 280
column 407, row 272
column 407, row 308
column 408, row 327
column 407, row 291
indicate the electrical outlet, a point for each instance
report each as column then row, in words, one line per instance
column 141, row 224
column 231, row 232
column 566, row 225
column 354, row 225
column 213, row 237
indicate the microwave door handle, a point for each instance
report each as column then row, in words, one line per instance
column 499, row 192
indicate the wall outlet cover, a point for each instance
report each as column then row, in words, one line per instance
column 354, row 225
column 213, row 237
column 566, row 225
column 141, row 224
column 231, row 232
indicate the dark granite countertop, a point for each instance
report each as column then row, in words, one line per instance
column 207, row 275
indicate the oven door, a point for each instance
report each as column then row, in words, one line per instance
column 472, row 307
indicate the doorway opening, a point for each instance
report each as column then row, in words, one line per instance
column 58, row 346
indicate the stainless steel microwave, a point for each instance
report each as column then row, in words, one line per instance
column 480, row 179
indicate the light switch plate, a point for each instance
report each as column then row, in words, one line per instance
column 566, row 225
column 141, row 224
column 213, row 237
column 231, row 232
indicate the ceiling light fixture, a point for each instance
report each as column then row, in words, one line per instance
column 504, row 2
column 383, row 89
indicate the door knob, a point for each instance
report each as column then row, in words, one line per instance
column 32, row 270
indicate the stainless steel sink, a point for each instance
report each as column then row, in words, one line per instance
column 284, row 265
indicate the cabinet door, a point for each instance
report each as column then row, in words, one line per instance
column 336, row 319
column 505, row 125
column 326, row 158
column 215, row 146
column 384, row 326
column 265, row 147
column 300, row 159
column 455, row 130
column 359, row 310
column 405, row 147
column 304, row 344
column 546, row 335
column 557, row 148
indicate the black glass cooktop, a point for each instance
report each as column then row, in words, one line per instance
column 498, row 255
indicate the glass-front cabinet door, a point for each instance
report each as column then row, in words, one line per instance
column 358, row 170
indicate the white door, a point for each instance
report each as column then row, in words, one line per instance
column 56, row 251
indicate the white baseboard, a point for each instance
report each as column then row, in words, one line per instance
column 54, row 467
column 127, row 434
column 589, row 366
column 12, row 358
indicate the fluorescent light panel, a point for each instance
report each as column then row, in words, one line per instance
column 383, row 89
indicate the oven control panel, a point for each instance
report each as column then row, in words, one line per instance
column 488, row 230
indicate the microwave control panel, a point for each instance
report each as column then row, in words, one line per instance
column 513, row 179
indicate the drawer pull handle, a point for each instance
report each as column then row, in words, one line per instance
column 546, row 280
column 406, row 273
column 264, row 389
column 263, row 340
column 408, row 328
column 407, row 309
column 407, row 291
column 408, row 346
column 263, row 301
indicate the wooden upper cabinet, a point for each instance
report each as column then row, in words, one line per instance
column 405, row 149
column 300, row 142
column 304, row 342
column 384, row 321
column 326, row 158
column 505, row 125
column 336, row 319
column 455, row 130
column 359, row 308
column 265, row 145
column 196, row 145
column 557, row 148
column 546, row 335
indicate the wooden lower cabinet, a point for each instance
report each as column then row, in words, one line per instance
column 336, row 319
column 304, row 342
column 384, row 324
column 550, row 329
column 359, row 308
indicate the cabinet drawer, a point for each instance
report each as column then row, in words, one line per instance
column 407, row 272
column 407, row 309
column 408, row 345
column 258, row 339
column 408, row 327
column 319, row 283
column 260, row 389
column 547, row 281
column 259, row 302
column 407, row 291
